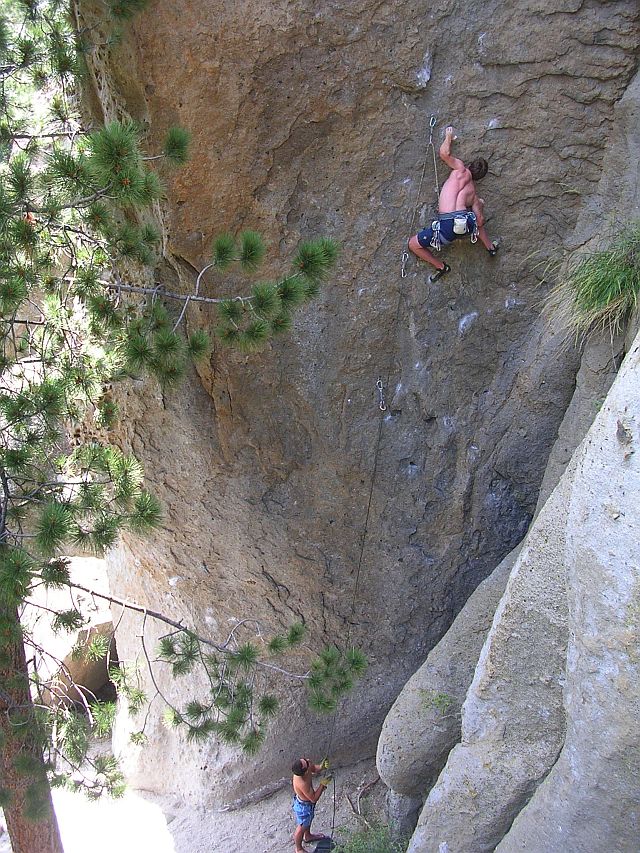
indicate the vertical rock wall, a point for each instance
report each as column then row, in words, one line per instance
column 516, row 713
column 281, row 503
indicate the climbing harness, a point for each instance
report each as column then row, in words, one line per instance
column 433, row 120
column 464, row 222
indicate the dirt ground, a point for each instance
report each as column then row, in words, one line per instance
column 140, row 822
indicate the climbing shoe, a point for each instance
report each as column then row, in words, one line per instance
column 439, row 273
column 493, row 252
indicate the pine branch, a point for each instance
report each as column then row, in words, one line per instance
column 81, row 202
column 62, row 134
column 154, row 291
column 4, row 504
column 149, row 665
column 180, row 297
column 179, row 626
column 190, row 297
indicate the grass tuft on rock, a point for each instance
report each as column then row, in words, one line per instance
column 601, row 288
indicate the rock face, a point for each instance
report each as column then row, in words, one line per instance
column 423, row 724
column 590, row 801
column 286, row 497
column 512, row 717
column 489, row 779
column 514, row 711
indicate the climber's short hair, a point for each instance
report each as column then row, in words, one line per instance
column 300, row 766
column 478, row 168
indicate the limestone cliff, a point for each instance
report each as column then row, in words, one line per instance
column 282, row 487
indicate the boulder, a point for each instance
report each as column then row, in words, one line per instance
column 512, row 717
column 424, row 723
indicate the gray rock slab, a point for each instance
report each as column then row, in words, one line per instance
column 513, row 721
column 424, row 722
column 402, row 813
column 591, row 799
column 599, row 366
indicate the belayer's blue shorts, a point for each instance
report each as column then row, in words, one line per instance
column 304, row 811
column 447, row 234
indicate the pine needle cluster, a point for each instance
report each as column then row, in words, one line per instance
column 248, row 322
column 74, row 730
column 127, row 682
column 333, row 674
column 240, row 704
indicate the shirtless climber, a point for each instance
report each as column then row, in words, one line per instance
column 460, row 210
column 305, row 798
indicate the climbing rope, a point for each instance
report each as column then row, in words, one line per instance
column 432, row 123
column 430, row 146
column 382, row 406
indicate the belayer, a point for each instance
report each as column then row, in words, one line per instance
column 460, row 210
column 305, row 798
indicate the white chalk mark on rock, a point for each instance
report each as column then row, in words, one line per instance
column 466, row 322
column 424, row 72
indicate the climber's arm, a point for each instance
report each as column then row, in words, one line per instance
column 478, row 209
column 314, row 796
column 445, row 151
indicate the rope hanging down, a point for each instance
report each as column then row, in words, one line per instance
column 432, row 123
column 382, row 406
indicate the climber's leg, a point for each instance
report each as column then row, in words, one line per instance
column 424, row 254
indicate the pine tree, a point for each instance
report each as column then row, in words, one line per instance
column 72, row 222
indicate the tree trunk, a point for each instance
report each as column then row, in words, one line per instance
column 22, row 770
